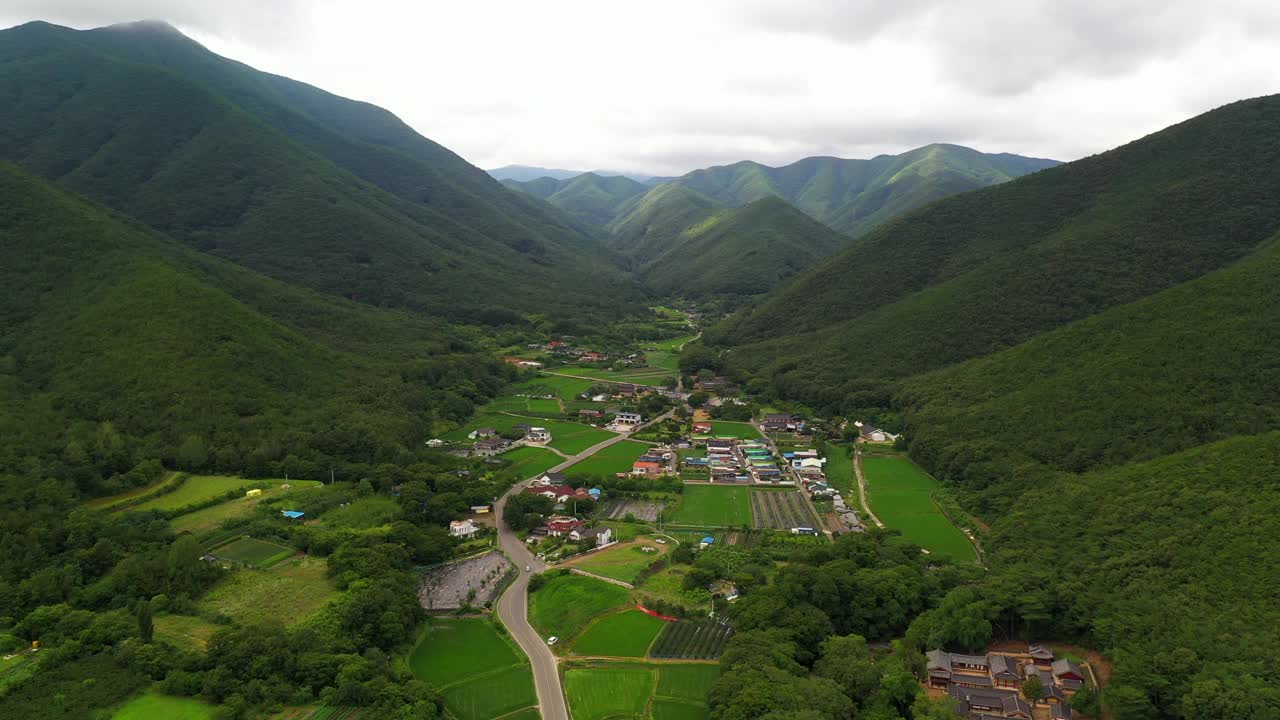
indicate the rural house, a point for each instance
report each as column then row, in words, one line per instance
column 627, row 418
column 484, row 432
column 559, row 525
column 600, row 536
column 702, row 428
column 491, row 446
column 464, row 529
column 551, row 478
column 538, row 435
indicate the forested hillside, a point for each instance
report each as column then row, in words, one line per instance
column 276, row 175
column 740, row 252
column 118, row 344
column 589, row 198
column 854, row 196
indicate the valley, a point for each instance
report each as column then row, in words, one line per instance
column 303, row 416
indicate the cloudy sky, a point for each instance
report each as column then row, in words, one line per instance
column 665, row 86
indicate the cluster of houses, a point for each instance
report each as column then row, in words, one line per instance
column 783, row 422
column 574, row 529
column 869, row 433
column 652, row 464
column 987, row 687
column 554, row 485
column 742, row 461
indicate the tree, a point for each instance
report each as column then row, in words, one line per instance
column 193, row 454
column 698, row 398
column 847, row 661
column 146, row 627
column 1033, row 689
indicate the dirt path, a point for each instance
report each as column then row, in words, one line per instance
column 862, row 487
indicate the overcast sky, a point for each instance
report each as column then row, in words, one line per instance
column 665, row 86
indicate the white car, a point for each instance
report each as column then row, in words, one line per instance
column 660, row 541
column 552, row 640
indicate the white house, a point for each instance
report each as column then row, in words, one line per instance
column 463, row 528
column 601, row 536
column 538, row 435
column 435, row 443
column 627, row 418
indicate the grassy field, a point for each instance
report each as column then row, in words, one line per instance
column 564, row 605
column 288, row 593
column 899, row 492
column 839, row 471
column 687, row 682
column 185, row 630
column 541, row 407
column 454, row 650
column 655, row 376
column 199, row 489
column 204, row 521
column 151, row 706
column 478, row 670
column 671, row 343
column 713, row 506
column 614, row 459
column 567, row 437
column 565, row 388
column 622, row 562
column 526, row 462
column 364, row 514
column 493, row 695
column 624, row 634
column 256, row 553
column 740, row 430
column 597, row 693
column 109, row 502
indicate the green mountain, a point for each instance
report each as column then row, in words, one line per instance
column 106, row 321
column 649, row 225
column 289, row 180
column 854, row 196
column 529, row 173
column 739, row 251
column 588, row 198
column 1087, row 358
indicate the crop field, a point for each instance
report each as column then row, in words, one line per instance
column 713, row 506
column 478, row 671
column 596, row 693
column 690, row 681
column 899, row 493
column 622, row 562
column 655, row 376
column 193, row 632
column 364, row 514
column 288, row 594
column 199, row 489
column 151, row 705
column 111, row 501
column 781, row 510
column 614, row 459
column 645, row 510
column 565, row 388
column 323, row 712
column 205, row 521
column 624, row 634
column 541, row 407
column 669, row 709
column 839, row 471
column 454, row 650
column 739, row 430
column 527, row 462
column 691, row 640
column 255, row 553
column 564, row 605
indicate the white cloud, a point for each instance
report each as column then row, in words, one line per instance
column 666, row 86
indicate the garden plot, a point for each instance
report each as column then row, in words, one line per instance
column 691, row 640
column 474, row 581
column 781, row 510
column 643, row 510
column 252, row 553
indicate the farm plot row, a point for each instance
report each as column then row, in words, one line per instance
column 687, row 640
column 645, row 510
column 781, row 510
column 324, row 712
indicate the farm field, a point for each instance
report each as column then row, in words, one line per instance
column 781, row 510
column 188, row 630
column 541, row 407
column 364, row 514
column 198, row 489
column 739, row 430
column 208, row 519
column 614, row 459
column 151, row 706
column 453, row 650
column 111, row 501
column 674, row 343
column 321, row 712
column 713, row 506
column 288, row 593
column 255, row 553
column 839, row 471
column 624, row 634
column 645, row 510
column 639, row 691
column 624, row 561
column 569, row 438
column 527, row 462
column 691, row 640
column 596, row 693
column 655, row 376
column 899, row 493
column 479, row 673
column 565, row 388
column 566, row 604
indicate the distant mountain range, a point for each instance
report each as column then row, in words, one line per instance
column 525, row 173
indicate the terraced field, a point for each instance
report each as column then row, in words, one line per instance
column 781, row 510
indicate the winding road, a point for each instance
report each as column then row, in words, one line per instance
column 513, row 606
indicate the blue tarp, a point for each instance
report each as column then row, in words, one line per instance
column 708, row 539
column 292, row 514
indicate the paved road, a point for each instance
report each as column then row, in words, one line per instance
column 513, row 606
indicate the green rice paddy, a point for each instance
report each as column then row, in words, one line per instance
column 616, row 458
column 478, row 671
column 624, row 634
column 713, row 506
column 899, row 493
